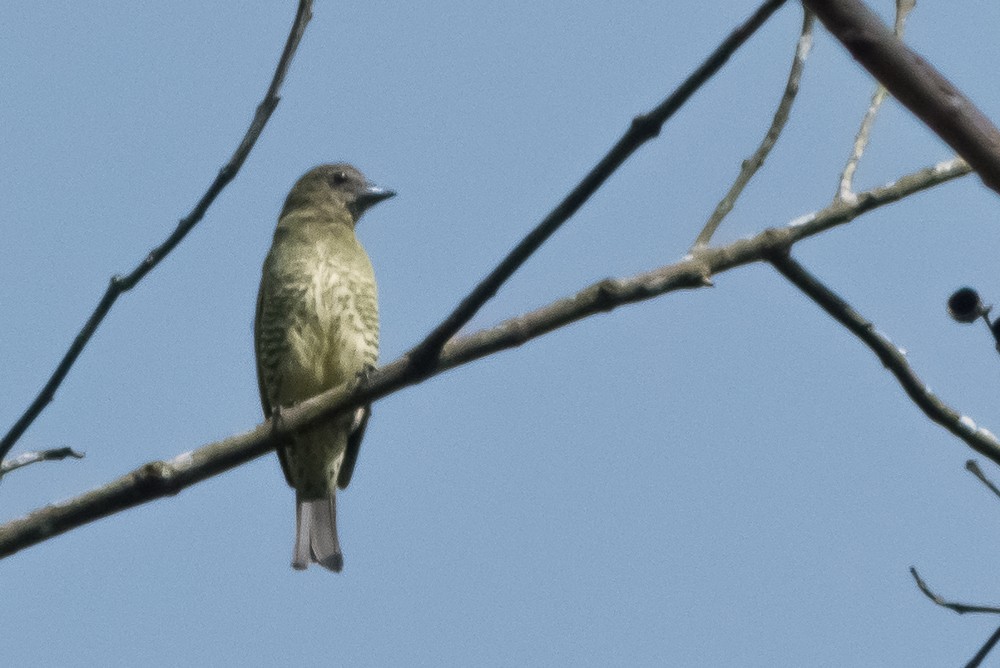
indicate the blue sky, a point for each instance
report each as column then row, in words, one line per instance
column 717, row 477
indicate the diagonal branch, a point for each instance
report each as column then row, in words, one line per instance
column 752, row 164
column 915, row 83
column 163, row 478
column 121, row 284
column 846, row 188
column 643, row 128
column 962, row 426
column 973, row 467
column 987, row 647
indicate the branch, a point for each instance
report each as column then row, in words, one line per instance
column 845, row 191
column 163, row 478
column 990, row 643
column 974, row 469
column 915, row 83
column 962, row 426
column 25, row 458
column 960, row 608
column 643, row 128
column 751, row 165
column 121, row 284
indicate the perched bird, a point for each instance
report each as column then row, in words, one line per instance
column 317, row 328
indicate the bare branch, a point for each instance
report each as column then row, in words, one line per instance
column 752, row 164
column 157, row 479
column 122, row 284
column 978, row 438
column 915, row 83
column 974, row 469
column 643, row 128
column 990, row 643
column 960, row 608
column 845, row 191
column 26, row 458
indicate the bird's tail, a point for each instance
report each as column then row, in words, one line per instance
column 316, row 534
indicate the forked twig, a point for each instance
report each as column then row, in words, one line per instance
column 752, row 164
column 846, row 188
column 915, row 83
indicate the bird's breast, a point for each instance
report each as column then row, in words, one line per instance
column 333, row 332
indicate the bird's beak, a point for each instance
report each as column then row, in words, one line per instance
column 373, row 194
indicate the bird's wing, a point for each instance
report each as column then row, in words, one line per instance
column 264, row 401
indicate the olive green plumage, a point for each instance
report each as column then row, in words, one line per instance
column 317, row 328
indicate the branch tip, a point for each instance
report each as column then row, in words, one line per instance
column 120, row 284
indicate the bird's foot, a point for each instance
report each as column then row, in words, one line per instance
column 275, row 420
column 364, row 376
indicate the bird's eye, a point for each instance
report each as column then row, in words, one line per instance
column 339, row 178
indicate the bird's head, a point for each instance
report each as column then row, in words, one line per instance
column 337, row 187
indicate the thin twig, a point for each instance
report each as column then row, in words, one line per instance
column 978, row 438
column 960, row 608
column 643, row 128
column 915, row 83
column 157, row 479
column 122, row 284
column 990, row 643
column 845, row 191
column 752, row 164
column 973, row 468
column 26, row 458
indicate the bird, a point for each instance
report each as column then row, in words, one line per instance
column 317, row 327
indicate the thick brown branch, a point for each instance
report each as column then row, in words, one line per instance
column 159, row 479
column 915, row 83
column 121, row 284
column 643, row 128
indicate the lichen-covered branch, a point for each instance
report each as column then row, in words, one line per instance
column 164, row 478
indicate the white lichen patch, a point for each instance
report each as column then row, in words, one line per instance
column 183, row 460
column 803, row 220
